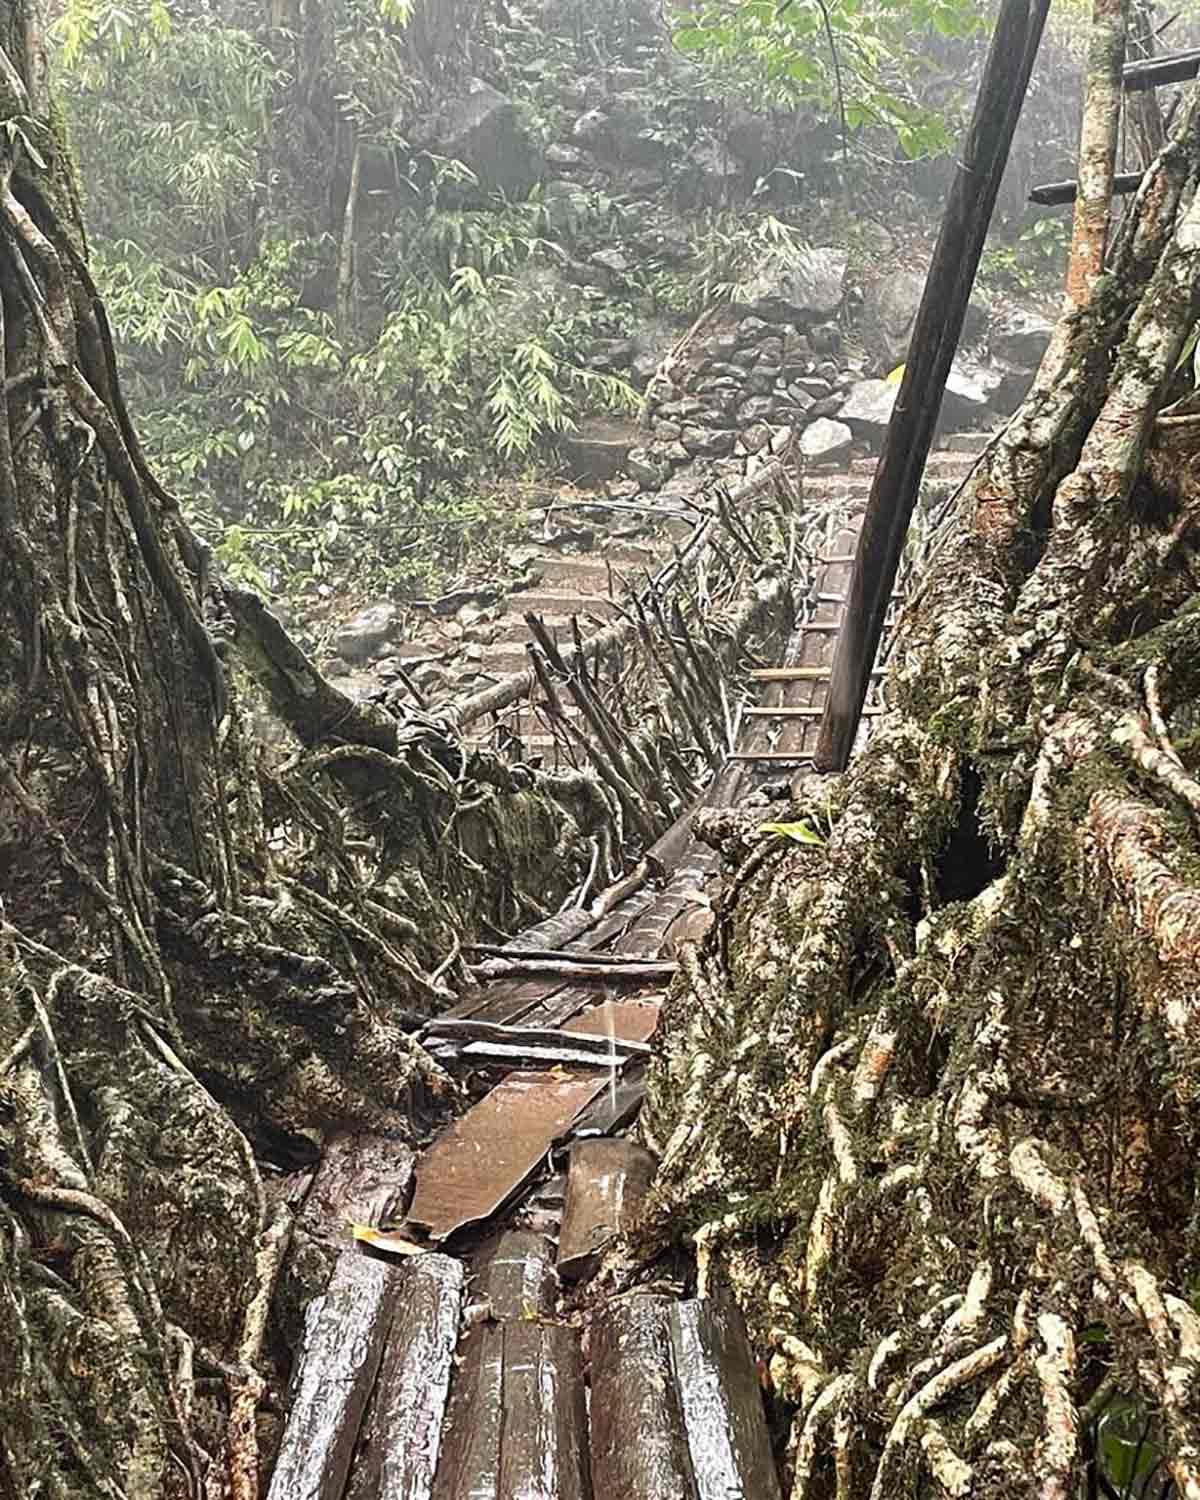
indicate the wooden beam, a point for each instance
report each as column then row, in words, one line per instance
column 784, row 711
column 797, row 674
column 1051, row 193
column 1153, row 72
column 935, row 338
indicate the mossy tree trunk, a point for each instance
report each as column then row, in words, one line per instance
column 196, row 941
column 931, row 1095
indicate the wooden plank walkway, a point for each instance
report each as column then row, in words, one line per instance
column 481, row 1391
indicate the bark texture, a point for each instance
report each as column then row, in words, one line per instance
column 929, row 1095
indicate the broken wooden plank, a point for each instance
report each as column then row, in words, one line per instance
column 1064, row 192
column 343, row 1342
column 721, row 1402
column 613, row 1109
column 513, row 1275
column 629, row 1021
column 397, row 1455
column 607, row 1183
column 483, row 1157
column 517, row 1055
column 634, row 1393
column 469, row 1463
column 543, row 1448
column 788, row 757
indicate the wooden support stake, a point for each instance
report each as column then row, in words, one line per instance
column 935, row 338
column 1064, row 192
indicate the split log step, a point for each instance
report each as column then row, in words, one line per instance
column 517, row 1419
column 721, row 1402
column 513, row 1273
column 634, row 1392
column 535, row 1039
column 607, row 1183
column 613, row 1109
column 343, row 1343
column 397, row 1454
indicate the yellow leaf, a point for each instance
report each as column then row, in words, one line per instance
column 894, row 377
column 387, row 1240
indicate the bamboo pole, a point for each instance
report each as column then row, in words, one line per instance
column 935, row 338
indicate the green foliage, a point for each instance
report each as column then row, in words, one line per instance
column 856, row 56
column 801, row 832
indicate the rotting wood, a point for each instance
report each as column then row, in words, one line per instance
column 607, row 1183
column 935, row 337
column 544, row 1429
column 397, row 1454
column 721, row 1402
column 483, row 1157
column 633, row 1391
column 343, row 1343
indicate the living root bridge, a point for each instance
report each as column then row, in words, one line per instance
column 929, row 1091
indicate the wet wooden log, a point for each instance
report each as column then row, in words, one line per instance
column 469, row 1464
column 639, row 1448
column 533, row 1038
column 544, row 1448
column 607, row 1183
column 576, row 968
column 721, row 1401
column 513, row 1274
column 343, row 1343
column 397, row 1454
column 520, row 951
column 362, row 1179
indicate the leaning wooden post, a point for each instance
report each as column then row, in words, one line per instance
column 934, row 340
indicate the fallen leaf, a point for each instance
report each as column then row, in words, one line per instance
column 387, row 1240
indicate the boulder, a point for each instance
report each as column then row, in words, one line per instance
column 890, row 309
column 592, row 130
column 484, row 130
column 645, row 468
column 562, row 156
column 598, row 450
column 1021, row 338
column 711, row 175
column 706, row 442
column 756, row 409
column 612, row 354
column 366, row 631
column 868, row 407
column 804, row 288
column 823, row 440
column 612, row 262
column 756, row 438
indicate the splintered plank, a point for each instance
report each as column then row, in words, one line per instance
column 469, row 1466
column 606, row 1186
column 721, row 1402
column 638, row 1444
column 398, row 1452
column 626, row 1020
column 473, row 1167
column 343, row 1343
column 543, row 1454
column 514, row 1274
